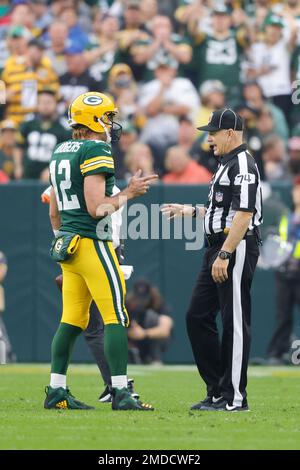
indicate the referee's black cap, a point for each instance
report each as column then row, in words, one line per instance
column 224, row 118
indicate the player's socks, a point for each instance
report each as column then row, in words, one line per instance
column 119, row 381
column 58, row 380
column 62, row 346
column 116, row 351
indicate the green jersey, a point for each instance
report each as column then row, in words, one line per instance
column 38, row 138
column 220, row 59
column 71, row 162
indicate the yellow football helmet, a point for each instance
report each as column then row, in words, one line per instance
column 95, row 111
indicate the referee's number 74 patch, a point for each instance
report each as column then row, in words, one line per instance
column 247, row 178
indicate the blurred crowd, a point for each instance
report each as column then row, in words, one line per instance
column 167, row 64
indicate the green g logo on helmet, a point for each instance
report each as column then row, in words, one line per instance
column 92, row 100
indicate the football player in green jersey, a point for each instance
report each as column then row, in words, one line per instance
column 81, row 203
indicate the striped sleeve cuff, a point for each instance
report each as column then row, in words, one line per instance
column 100, row 163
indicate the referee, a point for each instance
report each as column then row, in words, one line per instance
column 231, row 219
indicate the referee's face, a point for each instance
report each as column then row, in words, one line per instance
column 220, row 141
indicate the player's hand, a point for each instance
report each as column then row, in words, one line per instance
column 176, row 210
column 219, row 270
column 139, row 185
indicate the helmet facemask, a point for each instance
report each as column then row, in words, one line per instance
column 111, row 128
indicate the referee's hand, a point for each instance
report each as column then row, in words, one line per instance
column 177, row 210
column 219, row 270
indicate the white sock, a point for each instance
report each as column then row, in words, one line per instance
column 119, row 381
column 58, row 380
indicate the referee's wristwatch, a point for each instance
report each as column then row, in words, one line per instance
column 224, row 254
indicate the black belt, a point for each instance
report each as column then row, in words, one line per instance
column 220, row 237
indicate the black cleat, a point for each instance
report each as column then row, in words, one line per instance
column 233, row 408
column 223, row 405
column 206, row 403
column 106, row 395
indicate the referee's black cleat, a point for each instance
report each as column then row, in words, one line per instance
column 222, row 405
column 206, row 403
column 106, row 396
column 233, row 408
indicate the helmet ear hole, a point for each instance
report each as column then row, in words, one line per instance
column 95, row 119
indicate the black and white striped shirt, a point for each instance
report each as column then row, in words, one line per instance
column 234, row 187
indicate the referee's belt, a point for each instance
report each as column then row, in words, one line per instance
column 220, row 237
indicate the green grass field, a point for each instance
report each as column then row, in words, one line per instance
column 272, row 423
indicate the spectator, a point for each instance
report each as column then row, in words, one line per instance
column 24, row 76
column 290, row 12
column 57, row 43
column 17, row 40
column 58, row 6
column 122, row 86
column 274, row 158
column 76, row 34
column 183, row 170
column 253, row 95
column 37, row 139
column 192, row 14
column 138, row 157
column 101, row 53
column 13, row 53
column 7, row 147
column 265, row 123
column 43, row 17
column 37, row 59
column 151, row 326
column 23, row 15
column 149, row 9
column 6, row 353
column 287, row 280
column 78, row 79
column 164, row 100
column 132, row 31
column 196, row 146
column 163, row 46
column 270, row 63
column 218, row 55
column 212, row 95
column 294, row 155
column 186, row 134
